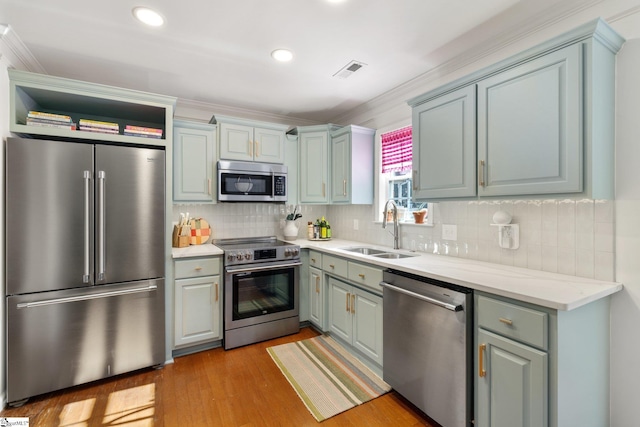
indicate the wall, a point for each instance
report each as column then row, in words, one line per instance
column 237, row 220
column 574, row 237
column 4, row 132
column 625, row 306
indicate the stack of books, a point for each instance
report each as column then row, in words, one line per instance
column 40, row 118
column 144, row 132
column 98, row 126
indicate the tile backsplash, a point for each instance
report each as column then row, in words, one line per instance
column 574, row 237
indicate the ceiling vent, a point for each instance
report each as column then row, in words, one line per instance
column 349, row 69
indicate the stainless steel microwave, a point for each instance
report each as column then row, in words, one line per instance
column 251, row 182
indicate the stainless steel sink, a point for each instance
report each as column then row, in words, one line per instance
column 393, row 255
column 364, row 250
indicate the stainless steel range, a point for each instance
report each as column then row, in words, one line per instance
column 261, row 289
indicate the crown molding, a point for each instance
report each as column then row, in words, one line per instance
column 16, row 52
column 187, row 109
column 466, row 61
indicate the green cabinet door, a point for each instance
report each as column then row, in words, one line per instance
column 197, row 310
column 340, row 168
column 513, row 390
column 268, row 146
column 340, row 318
column 367, row 324
column 236, row 142
column 316, row 298
column 529, row 127
column 314, row 167
column 444, row 146
column 194, row 176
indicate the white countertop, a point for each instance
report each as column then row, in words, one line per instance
column 557, row 291
column 196, row 250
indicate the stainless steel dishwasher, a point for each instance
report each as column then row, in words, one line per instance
column 427, row 345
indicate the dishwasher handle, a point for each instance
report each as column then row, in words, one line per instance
column 425, row 298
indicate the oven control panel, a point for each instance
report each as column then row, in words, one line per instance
column 251, row 256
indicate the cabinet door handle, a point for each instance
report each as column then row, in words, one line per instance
column 348, row 309
column 353, row 304
column 198, row 268
column 344, row 187
column 481, row 173
column 251, row 148
column 323, row 189
column 257, row 148
column 313, row 260
column 209, row 186
column 332, row 266
column 481, row 349
column 506, row 321
column 216, row 291
column 361, row 276
column 317, row 284
column 415, row 180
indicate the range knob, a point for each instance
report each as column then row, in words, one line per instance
column 247, row 255
column 290, row 252
column 231, row 256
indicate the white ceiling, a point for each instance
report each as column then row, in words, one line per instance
column 218, row 52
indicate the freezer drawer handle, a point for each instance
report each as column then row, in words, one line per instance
column 87, row 183
column 434, row 301
column 86, row 297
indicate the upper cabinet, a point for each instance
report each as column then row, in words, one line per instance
column 194, row 159
column 444, row 146
column 336, row 164
column 539, row 123
column 151, row 115
column 314, row 163
column 251, row 141
column 352, row 165
column 529, row 127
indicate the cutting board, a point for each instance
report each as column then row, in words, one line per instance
column 200, row 231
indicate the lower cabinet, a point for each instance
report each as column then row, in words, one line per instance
column 512, row 388
column 355, row 316
column 197, row 301
column 539, row 367
column 316, row 298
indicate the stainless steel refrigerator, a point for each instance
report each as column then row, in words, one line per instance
column 84, row 262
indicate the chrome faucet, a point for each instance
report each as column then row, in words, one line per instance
column 395, row 221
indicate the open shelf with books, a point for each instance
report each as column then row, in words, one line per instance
column 56, row 107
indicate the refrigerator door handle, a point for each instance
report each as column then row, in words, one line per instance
column 87, row 183
column 101, row 226
column 100, row 295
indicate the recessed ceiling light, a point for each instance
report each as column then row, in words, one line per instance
column 148, row 16
column 282, row 55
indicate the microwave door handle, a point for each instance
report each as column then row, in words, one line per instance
column 273, row 185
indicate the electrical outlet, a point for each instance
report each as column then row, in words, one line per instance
column 355, row 224
column 449, row 232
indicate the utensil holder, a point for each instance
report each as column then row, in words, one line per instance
column 178, row 240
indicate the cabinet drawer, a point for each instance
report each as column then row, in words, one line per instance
column 335, row 265
column 513, row 321
column 365, row 275
column 315, row 259
column 197, row 267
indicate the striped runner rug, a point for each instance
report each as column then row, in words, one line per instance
column 328, row 379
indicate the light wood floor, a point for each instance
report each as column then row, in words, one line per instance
column 239, row 387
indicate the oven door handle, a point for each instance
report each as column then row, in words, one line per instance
column 238, row 269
